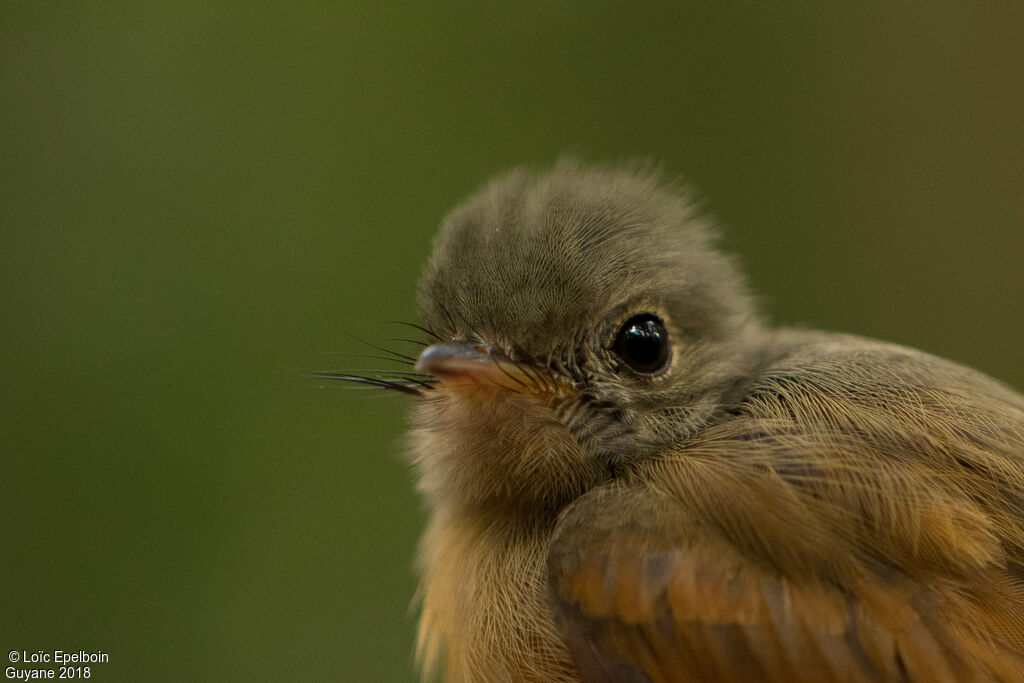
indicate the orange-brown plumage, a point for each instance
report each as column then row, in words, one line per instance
column 631, row 478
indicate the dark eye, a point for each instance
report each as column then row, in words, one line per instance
column 642, row 344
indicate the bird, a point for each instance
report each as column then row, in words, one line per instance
column 630, row 475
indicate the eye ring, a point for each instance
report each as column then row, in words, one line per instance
column 642, row 345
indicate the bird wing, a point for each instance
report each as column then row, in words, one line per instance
column 766, row 552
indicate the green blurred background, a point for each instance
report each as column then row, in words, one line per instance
column 199, row 201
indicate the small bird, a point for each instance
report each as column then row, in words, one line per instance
column 632, row 477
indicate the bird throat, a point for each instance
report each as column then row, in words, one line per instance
column 499, row 451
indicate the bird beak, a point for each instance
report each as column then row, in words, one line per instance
column 469, row 364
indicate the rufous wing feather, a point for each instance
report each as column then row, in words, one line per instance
column 650, row 593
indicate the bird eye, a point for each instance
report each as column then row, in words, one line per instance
column 642, row 344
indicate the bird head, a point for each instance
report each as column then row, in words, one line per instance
column 582, row 319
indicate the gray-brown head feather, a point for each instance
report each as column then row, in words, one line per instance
column 536, row 258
